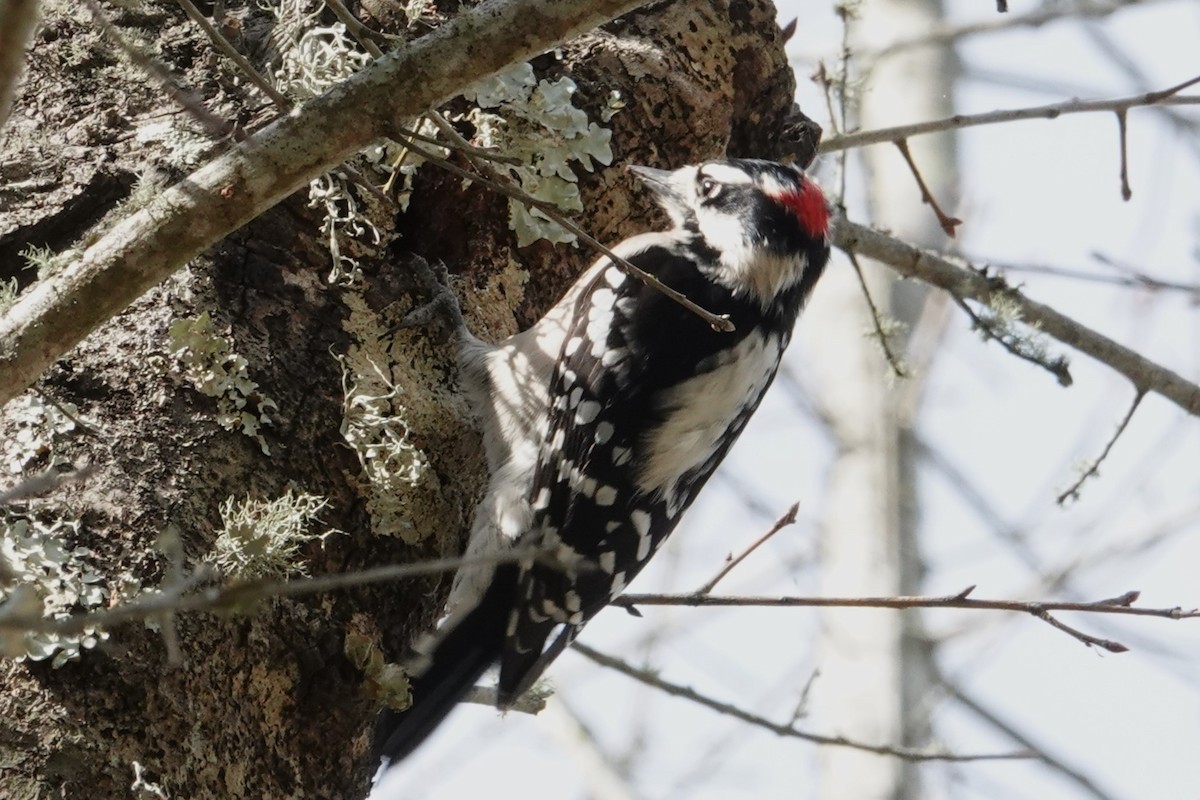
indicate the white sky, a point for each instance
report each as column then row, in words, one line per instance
column 1038, row 192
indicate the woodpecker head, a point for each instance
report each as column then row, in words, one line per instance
column 762, row 228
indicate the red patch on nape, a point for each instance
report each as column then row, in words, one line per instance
column 808, row 205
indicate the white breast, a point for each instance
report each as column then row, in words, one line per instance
column 700, row 410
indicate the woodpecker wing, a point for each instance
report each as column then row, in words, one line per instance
column 635, row 430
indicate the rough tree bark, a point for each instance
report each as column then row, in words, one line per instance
column 265, row 703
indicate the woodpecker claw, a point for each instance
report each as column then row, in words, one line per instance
column 442, row 307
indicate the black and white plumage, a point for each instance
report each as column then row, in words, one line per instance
column 604, row 420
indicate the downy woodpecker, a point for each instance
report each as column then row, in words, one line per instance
column 603, row 421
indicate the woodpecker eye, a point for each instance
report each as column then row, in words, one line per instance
column 709, row 188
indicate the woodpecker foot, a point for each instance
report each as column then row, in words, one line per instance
column 442, row 308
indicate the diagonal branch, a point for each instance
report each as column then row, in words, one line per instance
column 1072, row 493
column 675, row 690
column 913, row 262
column 234, row 188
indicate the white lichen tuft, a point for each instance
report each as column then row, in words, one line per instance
column 375, row 425
column 344, row 217
column 262, row 538
column 40, row 575
column 218, row 372
column 318, row 57
column 34, row 426
column 144, row 789
column 537, row 122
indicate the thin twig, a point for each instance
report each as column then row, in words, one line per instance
column 789, row 518
column 717, row 322
column 675, row 690
column 1057, row 366
column 948, row 223
column 1052, row 111
column 362, row 33
column 237, row 596
column 1134, row 278
column 1072, row 492
column 231, row 52
column 894, row 361
column 1122, row 129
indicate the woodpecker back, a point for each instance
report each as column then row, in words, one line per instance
column 625, row 404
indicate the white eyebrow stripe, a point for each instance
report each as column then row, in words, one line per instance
column 725, row 174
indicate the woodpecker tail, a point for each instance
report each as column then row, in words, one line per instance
column 459, row 657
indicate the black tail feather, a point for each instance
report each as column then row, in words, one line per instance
column 458, row 659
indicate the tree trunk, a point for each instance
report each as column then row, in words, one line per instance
column 265, row 702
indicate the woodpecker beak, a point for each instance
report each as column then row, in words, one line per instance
column 662, row 183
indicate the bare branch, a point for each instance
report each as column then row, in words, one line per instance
column 1041, row 610
column 947, row 223
column 237, row 186
column 963, row 282
column 1052, row 111
column 789, row 518
column 1072, row 493
column 1116, row 605
column 675, row 690
column 18, row 18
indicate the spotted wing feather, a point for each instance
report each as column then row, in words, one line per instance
column 595, row 523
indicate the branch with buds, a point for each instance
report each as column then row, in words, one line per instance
column 1124, row 605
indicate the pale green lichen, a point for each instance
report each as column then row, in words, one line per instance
column 34, row 425
column 45, row 261
column 1003, row 319
column 375, row 425
column 262, row 538
column 9, row 289
column 384, row 680
column 537, row 122
column 41, row 575
column 219, row 373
